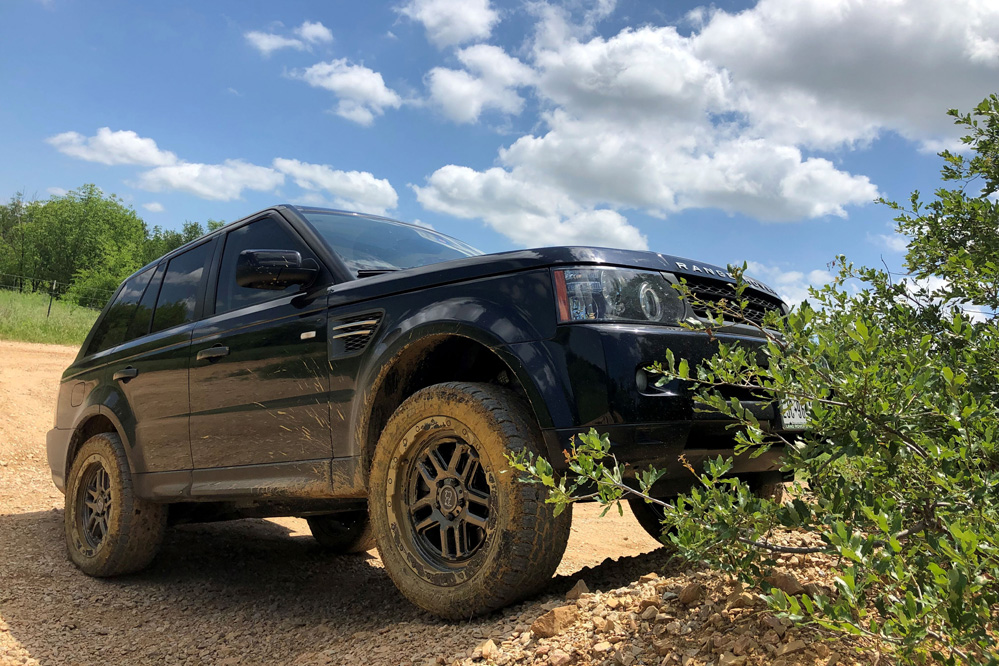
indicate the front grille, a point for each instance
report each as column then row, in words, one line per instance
column 352, row 335
column 705, row 293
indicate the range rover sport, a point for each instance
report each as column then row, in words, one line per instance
column 371, row 376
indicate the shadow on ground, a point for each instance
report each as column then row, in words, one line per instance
column 249, row 590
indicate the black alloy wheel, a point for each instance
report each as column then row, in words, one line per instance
column 459, row 532
column 448, row 498
column 109, row 531
column 95, row 504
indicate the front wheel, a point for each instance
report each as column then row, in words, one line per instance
column 458, row 532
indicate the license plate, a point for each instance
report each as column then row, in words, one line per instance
column 793, row 415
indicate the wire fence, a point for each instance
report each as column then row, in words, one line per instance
column 94, row 299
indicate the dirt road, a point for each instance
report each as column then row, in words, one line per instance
column 247, row 592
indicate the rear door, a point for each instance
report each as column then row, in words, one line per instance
column 150, row 365
column 259, row 373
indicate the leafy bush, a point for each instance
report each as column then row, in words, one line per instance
column 897, row 474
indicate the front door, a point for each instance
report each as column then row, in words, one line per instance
column 259, row 370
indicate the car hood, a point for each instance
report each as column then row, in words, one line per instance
column 519, row 260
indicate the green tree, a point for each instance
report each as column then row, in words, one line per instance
column 160, row 241
column 897, row 475
column 13, row 221
column 84, row 236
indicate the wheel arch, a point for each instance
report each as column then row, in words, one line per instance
column 93, row 422
column 403, row 369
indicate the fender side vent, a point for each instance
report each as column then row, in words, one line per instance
column 352, row 334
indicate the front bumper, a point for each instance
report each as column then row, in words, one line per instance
column 56, row 447
column 595, row 368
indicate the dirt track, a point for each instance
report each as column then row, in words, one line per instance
column 247, row 592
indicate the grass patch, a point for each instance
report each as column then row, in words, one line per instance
column 22, row 317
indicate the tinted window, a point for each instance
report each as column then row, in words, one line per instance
column 266, row 234
column 111, row 330
column 370, row 243
column 179, row 291
column 144, row 312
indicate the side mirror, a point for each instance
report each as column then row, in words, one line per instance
column 274, row 269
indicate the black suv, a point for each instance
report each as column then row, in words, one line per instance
column 371, row 376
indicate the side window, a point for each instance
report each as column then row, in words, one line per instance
column 265, row 234
column 179, row 291
column 144, row 311
column 111, row 330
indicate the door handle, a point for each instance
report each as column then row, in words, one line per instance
column 212, row 353
column 125, row 374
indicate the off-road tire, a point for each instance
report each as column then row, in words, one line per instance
column 768, row 485
column 133, row 528
column 342, row 533
column 649, row 516
column 523, row 540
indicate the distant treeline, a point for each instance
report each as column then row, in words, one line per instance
column 85, row 239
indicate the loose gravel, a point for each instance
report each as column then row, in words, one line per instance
column 262, row 591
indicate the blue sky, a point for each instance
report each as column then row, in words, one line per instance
column 729, row 132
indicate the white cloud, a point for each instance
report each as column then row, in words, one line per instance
column 308, row 34
column 826, row 72
column 267, row 43
column 451, row 22
column 107, row 147
column 353, row 190
column 57, row 191
column 791, row 285
column 314, row 32
column 361, row 92
column 153, row 207
column 743, row 114
column 220, row 182
column 489, row 81
column 530, row 214
column 891, row 242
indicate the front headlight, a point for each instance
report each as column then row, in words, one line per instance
column 616, row 294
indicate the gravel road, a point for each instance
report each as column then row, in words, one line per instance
column 245, row 592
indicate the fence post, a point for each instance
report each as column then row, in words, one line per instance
column 51, row 296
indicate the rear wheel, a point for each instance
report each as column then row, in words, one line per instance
column 649, row 516
column 109, row 531
column 347, row 532
column 769, row 485
column 458, row 532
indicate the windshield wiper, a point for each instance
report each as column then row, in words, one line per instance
column 371, row 272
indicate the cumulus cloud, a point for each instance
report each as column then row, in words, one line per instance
column 314, row 32
column 220, row 182
column 824, row 73
column 307, row 34
column 790, row 284
column 57, row 191
column 452, row 22
column 353, row 190
column 267, row 43
column 489, row 81
column 745, row 113
column 107, row 147
column 890, row 242
column 530, row 214
column 361, row 92
column 357, row 190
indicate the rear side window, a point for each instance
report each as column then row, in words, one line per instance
column 144, row 312
column 111, row 331
column 265, row 234
column 179, row 291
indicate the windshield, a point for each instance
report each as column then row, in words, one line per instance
column 373, row 244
